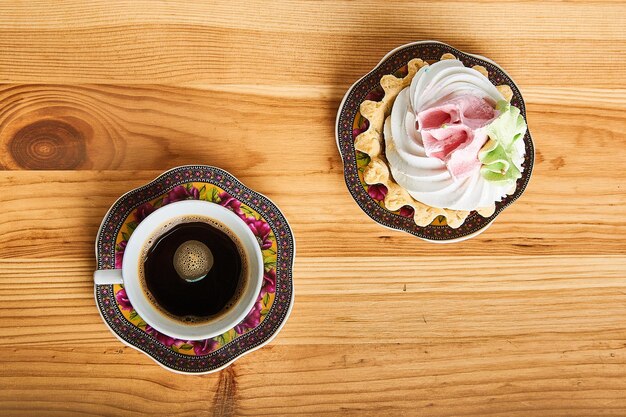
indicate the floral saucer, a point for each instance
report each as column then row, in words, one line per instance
column 264, row 219
column 350, row 123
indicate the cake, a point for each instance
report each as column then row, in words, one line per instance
column 443, row 140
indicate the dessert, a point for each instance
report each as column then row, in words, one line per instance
column 443, row 140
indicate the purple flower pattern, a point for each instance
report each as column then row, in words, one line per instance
column 143, row 211
column 203, row 347
column 259, row 228
column 180, row 193
column 119, row 254
column 269, row 282
column 261, row 231
column 252, row 319
column 166, row 340
column 122, row 300
column 363, row 126
column 232, row 203
column 377, row 191
column 376, row 94
column 406, row 211
column 200, row 347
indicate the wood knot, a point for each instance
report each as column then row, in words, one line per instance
column 48, row 144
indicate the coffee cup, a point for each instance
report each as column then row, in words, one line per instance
column 191, row 269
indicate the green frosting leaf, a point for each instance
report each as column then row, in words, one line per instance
column 498, row 153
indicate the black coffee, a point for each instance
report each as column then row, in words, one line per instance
column 193, row 271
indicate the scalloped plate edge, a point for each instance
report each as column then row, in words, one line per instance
column 343, row 102
column 227, row 364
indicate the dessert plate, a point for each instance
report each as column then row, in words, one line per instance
column 350, row 124
column 274, row 301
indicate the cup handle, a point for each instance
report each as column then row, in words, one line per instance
column 108, row 276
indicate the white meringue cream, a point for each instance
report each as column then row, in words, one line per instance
column 428, row 179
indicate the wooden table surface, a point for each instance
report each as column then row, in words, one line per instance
column 528, row 319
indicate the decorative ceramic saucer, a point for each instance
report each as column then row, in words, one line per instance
column 350, row 123
column 267, row 223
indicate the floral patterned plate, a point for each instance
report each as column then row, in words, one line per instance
column 277, row 244
column 350, row 124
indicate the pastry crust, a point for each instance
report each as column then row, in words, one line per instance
column 371, row 142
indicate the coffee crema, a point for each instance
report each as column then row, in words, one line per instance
column 193, row 269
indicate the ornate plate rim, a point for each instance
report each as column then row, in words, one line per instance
column 380, row 63
column 238, row 356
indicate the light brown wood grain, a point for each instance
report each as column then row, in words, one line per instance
column 295, row 42
column 527, row 319
column 151, row 127
column 525, row 338
column 354, row 300
column 523, row 378
column 585, row 217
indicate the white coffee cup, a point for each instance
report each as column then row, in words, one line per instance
column 129, row 274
